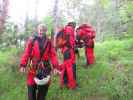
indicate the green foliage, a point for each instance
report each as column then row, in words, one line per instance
column 105, row 3
column 10, row 34
column 116, row 78
column 110, row 78
column 49, row 22
column 130, row 6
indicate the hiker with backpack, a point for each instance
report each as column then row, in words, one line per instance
column 65, row 40
column 86, row 34
column 40, row 54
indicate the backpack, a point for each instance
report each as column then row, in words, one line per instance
column 60, row 39
column 88, row 30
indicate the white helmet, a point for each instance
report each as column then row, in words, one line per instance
column 43, row 81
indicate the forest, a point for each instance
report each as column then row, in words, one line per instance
column 109, row 78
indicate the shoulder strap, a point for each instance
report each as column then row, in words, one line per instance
column 32, row 44
column 44, row 49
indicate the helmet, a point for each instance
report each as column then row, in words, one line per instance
column 42, row 76
column 42, row 81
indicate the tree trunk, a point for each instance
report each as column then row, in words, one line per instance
column 3, row 13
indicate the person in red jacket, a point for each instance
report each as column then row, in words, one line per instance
column 68, row 74
column 87, row 34
column 40, row 53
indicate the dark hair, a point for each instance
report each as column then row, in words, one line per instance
column 72, row 24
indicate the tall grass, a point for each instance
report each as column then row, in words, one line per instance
column 110, row 78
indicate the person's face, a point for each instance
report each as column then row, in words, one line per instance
column 77, row 34
column 73, row 25
column 77, row 31
column 42, row 30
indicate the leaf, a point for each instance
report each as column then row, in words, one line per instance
column 105, row 3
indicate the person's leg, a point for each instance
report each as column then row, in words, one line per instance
column 73, row 58
column 74, row 70
column 90, row 56
column 32, row 92
column 42, row 92
column 68, row 63
column 65, row 77
column 92, row 60
column 62, row 78
column 87, row 57
column 76, row 51
column 70, row 75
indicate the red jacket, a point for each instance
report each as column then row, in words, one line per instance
column 69, row 30
column 87, row 30
column 49, row 54
column 87, row 34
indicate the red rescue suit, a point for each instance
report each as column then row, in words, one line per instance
column 87, row 34
column 69, row 66
column 34, row 55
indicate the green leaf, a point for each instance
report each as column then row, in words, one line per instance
column 105, row 3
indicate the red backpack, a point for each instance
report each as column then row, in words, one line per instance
column 60, row 39
column 88, row 30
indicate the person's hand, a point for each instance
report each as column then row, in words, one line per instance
column 22, row 69
column 56, row 71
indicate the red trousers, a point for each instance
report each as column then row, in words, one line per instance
column 90, row 55
column 68, row 71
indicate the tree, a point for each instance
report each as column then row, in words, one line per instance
column 3, row 13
